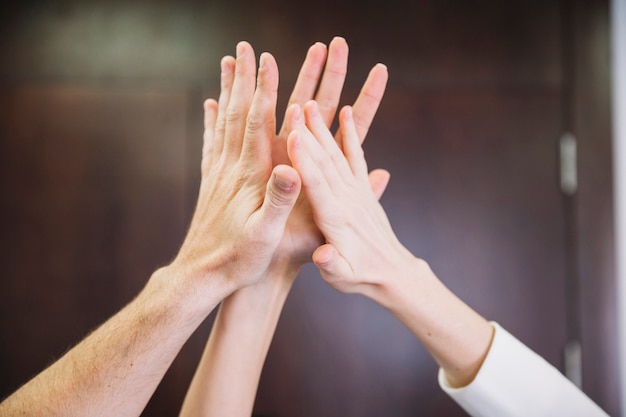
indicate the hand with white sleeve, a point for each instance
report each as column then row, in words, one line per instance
column 488, row 373
column 362, row 254
column 361, row 248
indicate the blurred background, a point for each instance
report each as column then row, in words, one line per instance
column 100, row 139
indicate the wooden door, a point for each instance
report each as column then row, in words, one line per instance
column 93, row 200
column 99, row 177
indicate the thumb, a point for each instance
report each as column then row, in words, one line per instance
column 281, row 194
column 333, row 267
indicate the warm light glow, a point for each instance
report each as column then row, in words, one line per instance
column 119, row 41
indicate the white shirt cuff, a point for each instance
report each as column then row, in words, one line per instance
column 515, row 381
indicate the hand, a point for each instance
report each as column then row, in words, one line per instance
column 302, row 236
column 244, row 200
column 361, row 248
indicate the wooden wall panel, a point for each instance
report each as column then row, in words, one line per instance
column 99, row 142
column 93, row 200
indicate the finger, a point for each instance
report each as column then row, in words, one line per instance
column 210, row 118
column 240, row 100
column 331, row 264
column 379, row 179
column 261, row 119
column 351, row 145
column 210, row 114
column 227, row 77
column 369, row 99
column 333, row 79
column 294, row 118
column 281, row 194
column 314, row 183
column 308, row 78
column 330, row 150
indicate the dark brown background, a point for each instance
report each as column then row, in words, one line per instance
column 100, row 131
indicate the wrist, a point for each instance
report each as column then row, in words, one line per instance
column 457, row 337
column 262, row 302
column 275, row 283
column 197, row 296
column 407, row 275
column 283, row 267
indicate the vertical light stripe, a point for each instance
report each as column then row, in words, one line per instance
column 618, row 39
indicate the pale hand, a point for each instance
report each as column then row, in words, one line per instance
column 361, row 248
column 302, row 235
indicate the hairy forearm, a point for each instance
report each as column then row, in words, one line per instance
column 115, row 370
column 227, row 377
column 457, row 337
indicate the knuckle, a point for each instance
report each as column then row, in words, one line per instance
column 279, row 199
column 220, row 126
column 234, row 115
column 255, row 123
column 312, row 183
column 325, row 163
column 337, row 157
column 327, row 102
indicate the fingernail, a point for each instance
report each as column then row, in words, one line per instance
column 263, row 60
column 224, row 65
column 240, row 49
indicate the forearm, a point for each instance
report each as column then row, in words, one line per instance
column 457, row 337
column 115, row 370
column 227, row 377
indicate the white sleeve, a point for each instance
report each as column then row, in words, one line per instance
column 515, row 381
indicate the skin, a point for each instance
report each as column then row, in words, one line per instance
column 361, row 253
column 227, row 377
column 250, row 257
column 115, row 370
column 339, row 223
